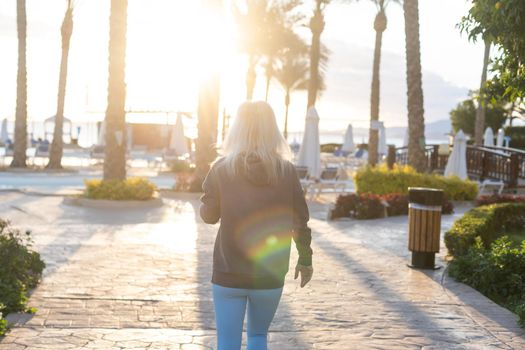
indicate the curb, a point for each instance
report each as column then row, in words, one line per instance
column 109, row 204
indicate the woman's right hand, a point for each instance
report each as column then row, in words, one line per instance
column 306, row 273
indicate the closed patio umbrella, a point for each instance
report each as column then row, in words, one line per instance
column 457, row 161
column 501, row 137
column 348, row 142
column 488, row 138
column 102, row 134
column 310, row 151
column 382, row 148
column 4, row 136
column 178, row 141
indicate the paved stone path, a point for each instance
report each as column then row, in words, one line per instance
column 139, row 279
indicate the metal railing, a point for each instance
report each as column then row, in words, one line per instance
column 497, row 163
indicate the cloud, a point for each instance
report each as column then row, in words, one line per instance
column 349, row 82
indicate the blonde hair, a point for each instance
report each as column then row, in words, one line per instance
column 254, row 133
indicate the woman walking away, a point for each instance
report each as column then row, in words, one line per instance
column 254, row 190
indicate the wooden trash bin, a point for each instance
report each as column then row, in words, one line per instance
column 424, row 225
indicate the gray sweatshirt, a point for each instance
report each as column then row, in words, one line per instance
column 258, row 222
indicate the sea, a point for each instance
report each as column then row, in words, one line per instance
column 87, row 134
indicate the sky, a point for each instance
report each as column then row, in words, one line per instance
column 168, row 51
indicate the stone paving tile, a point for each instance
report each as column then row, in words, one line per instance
column 140, row 280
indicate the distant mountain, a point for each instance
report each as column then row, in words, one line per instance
column 434, row 130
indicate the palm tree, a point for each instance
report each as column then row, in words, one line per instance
column 263, row 27
column 55, row 156
column 293, row 70
column 416, row 119
column 280, row 35
column 20, row 146
column 251, row 24
column 208, row 114
column 316, row 27
column 380, row 24
column 292, row 75
column 480, row 112
column 115, row 149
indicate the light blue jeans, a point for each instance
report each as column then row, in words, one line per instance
column 230, row 307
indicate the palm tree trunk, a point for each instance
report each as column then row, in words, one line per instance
column 251, row 77
column 208, row 112
column 115, row 149
column 269, row 74
column 316, row 27
column 208, row 117
column 480, row 112
column 416, row 119
column 55, row 156
column 287, row 104
column 20, row 146
column 373, row 136
column 268, row 78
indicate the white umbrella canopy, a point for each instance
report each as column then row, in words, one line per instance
column 129, row 137
column 177, row 140
column 310, row 151
column 488, row 138
column 102, row 134
column 4, row 136
column 348, row 142
column 382, row 148
column 501, row 137
column 457, row 161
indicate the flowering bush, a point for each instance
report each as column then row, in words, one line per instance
column 397, row 204
column 370, row 206
column 135, row 188
column 499, row 198
column 359, row 206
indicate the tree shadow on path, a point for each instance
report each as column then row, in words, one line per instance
column 406, row 311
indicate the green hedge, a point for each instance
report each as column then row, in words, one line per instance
column 20, row 270
column 134, row 188
column 488, row 222
column 497, row 272
column 380, row 180
column 3, row 322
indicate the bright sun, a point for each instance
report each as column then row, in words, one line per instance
column 177, row 42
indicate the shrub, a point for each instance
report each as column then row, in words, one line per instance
column 498, row 198
column 359, row 206
column 183, row 182
column 520, row 311
column 180, row 166
column 496, row 272
column 381, row 180
column 3, row 322
column 135, row 188
column 397, row 204
column 20, row 268
column 488, row 222
column 448, row 207
column 366, row 206
column 330, row 147
column 517, row 136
